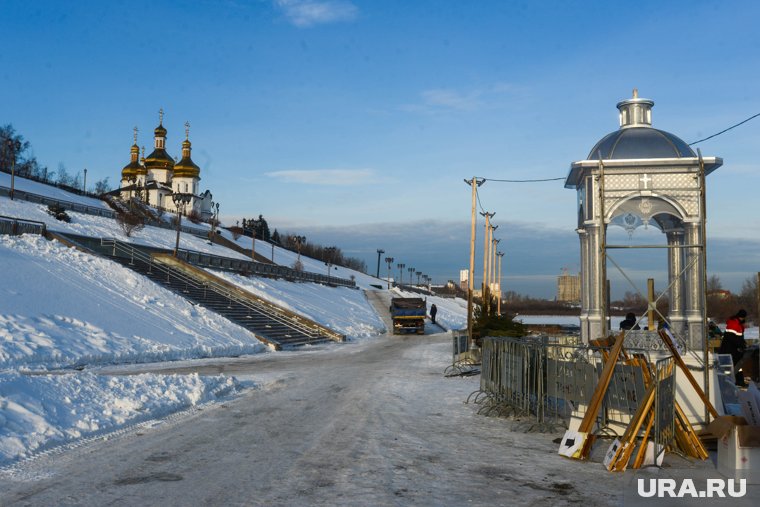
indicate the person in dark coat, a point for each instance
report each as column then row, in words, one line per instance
column 629, row 322
column 433, row 311
column 733, row 341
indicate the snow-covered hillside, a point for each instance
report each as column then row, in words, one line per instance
column 61, row 308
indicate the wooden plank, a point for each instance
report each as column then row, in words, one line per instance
column 679, row 361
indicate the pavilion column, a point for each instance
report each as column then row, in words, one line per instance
column 676, row 281
column 694, row 290
column 595, row 326
column 585, row 283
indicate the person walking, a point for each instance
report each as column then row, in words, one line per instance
column 433, row 311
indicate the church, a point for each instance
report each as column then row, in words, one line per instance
column 157, row 178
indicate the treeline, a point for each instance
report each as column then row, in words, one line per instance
column 294, row 242
column 333, row 254
column 16, row 155
column 721, row 304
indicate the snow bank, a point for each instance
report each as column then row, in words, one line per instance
column 40, row 412
column 342, row 309
column 61, row 307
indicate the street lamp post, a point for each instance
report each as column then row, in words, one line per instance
column 180, row 201
column 380, row 251
column 400, row 273
column 330, row 251
column 84, row 184
column 12, row 154
column 389, row 260
column 418, row 278
column 411, row 275
column 300, row 240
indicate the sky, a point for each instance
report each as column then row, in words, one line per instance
column 355, row 122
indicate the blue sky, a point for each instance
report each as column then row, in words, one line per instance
column 355, row 122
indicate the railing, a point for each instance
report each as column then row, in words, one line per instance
column 68, row 205
column 15, row 226
column 258, row 268
column 269, row 310
column 224, row 263
column 545, row 382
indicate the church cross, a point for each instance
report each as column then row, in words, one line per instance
column 136, row 130
column 645, row 180
column 187, row 130
column 161, row 116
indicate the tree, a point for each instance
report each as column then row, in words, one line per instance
column 276, row 237
column 263, row 229
column 714, row 284
column 64, row 178
column 130, row 222
column 748, row 297
column 102, row 186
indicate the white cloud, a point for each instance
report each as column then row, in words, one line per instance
column 305, row 13
column 332, row 177
column 451, row 99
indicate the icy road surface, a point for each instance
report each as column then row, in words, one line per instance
column 373, row 423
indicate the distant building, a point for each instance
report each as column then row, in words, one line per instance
column 464, row 277
column 158, row 177
column 569, row 288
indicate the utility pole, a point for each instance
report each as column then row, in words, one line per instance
column 486, row 244
column 474, row 183
column 492, row 269
column 380, row 251
column 498, row 297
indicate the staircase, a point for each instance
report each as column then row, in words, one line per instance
column 271, row 324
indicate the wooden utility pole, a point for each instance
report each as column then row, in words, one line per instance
column 498, row 297
column 486, row 251
column 474, row 183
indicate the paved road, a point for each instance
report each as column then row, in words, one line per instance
column 367, row 424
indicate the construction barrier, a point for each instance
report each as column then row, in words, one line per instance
column 544, row 382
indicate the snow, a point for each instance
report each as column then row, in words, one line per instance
column 34, row 187
column 341, row 309
column 102, row 227
column 61, row 308
column 39, row 412
column 285, row 257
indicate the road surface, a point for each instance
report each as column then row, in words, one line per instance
column 373, row 423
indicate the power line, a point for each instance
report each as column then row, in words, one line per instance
column 523, row 181
column 726, row 130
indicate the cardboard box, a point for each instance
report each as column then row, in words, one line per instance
column 739, row 453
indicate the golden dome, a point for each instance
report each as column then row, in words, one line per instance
column 133, row 169
column 186, row 168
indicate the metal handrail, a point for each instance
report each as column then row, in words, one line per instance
column 37, row 223
column 267, row 309
column 263, row 268
column 73, row 206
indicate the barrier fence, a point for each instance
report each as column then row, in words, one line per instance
column 545, row 381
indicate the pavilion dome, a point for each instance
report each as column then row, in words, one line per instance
column 636, row 138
